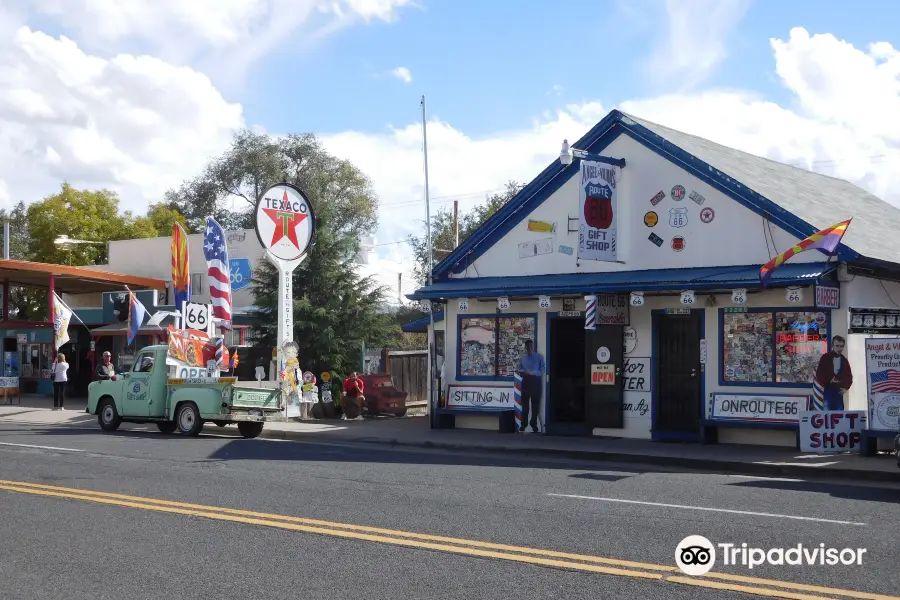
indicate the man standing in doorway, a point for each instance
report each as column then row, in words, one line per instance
column 531, row 368
column 833, row 376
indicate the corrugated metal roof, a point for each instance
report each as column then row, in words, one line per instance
column 817, row 199
column 697, row 278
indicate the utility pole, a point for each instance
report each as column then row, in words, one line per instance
column 400, row 289
column 430, row 266
column 455, row 224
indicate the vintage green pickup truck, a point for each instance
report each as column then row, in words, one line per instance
column 147, row 394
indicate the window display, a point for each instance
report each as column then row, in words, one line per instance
column 801, row 338
column 747, row 347
column 772, row 346
column 491, row 346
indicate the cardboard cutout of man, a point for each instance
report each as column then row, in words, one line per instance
column 834, row 374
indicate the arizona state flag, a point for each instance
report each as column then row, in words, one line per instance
column 827, row 240
column 181, row 272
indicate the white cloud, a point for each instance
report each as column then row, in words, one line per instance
column 843, row 124
column 223, row 37
column 403, row 74
column 132, row 123
column 694, row 44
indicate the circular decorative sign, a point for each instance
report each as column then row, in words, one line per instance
column 326, row 376
column 707, row 215
column 651, row 219
column 603, row 354
column 678, row 193
column 285, row 223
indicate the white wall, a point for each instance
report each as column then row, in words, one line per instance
column 635, row 424
column 152, row 257
column 736, row 236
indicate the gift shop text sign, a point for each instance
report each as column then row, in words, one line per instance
column 831, row 431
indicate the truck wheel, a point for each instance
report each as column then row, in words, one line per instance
column 249, row 429
column 108, row 416
column 167, row 426
column 188, row 419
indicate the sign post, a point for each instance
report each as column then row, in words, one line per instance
column 285, row 226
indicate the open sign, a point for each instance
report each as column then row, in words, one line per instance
column 603, row 374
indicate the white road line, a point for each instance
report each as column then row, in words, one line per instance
column 40, row 447
column 723, row 510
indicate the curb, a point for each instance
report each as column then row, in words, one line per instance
column 700, row 464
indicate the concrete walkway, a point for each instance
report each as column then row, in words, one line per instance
column 415, row 432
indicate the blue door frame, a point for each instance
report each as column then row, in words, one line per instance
column 657, row 434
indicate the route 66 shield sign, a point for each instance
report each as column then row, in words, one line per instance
column 678, row 217
column 241, row 273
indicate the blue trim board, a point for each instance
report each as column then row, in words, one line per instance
column 656, row 432
column 420, row 325
column 495, row 315
column 596, row 141
column 772, row 310
column 694, row 278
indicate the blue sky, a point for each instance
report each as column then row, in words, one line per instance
column 496, row 67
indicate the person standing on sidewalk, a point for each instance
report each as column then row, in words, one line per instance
column 60, row 378
column 531, row 368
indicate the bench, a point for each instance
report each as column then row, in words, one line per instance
column 445, row 418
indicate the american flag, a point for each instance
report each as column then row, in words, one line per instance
column 886, row 381
column 216, row 253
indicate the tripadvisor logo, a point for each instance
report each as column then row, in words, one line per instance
column 696, row 555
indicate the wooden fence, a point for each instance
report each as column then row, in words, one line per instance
column 409, row 371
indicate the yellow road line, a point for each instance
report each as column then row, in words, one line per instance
column 447, row 544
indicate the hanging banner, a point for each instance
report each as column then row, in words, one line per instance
column 597, row 200
column 883, row 383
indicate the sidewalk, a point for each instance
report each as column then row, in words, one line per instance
column 414, row 432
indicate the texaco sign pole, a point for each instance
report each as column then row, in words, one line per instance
column 285, row 225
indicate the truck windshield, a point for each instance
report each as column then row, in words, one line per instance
column 144, row 363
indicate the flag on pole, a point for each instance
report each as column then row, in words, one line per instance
column 136, row 315
column 62, row 315
column 827, row 240
column 216, row 253
column 181, row 272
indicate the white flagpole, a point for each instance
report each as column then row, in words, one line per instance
column 430, row 267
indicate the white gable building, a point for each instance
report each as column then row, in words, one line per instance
column 709, row 354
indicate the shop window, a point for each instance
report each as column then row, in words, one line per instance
column 490, row 346
column 772, row 347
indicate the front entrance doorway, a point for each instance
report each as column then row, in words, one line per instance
column 584, row 391
column 678, row 391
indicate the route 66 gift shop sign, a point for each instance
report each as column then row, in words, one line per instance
column 597, row 199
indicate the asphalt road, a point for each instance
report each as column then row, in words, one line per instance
column 66, row 537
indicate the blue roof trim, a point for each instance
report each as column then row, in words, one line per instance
column 421, row 324
column 596, row 141
column 695, row 278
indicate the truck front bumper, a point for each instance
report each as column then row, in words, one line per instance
column 252, row 416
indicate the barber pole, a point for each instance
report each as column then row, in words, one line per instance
column 220, row 355
column 590, row 312
column 517, row 397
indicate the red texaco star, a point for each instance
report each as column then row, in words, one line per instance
column 286, row 222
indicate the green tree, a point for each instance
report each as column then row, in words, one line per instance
column 335, row 310
column 91, row 215
column 163, row 217
column 442, row 238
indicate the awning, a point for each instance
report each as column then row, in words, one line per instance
column 420, row 325
column 73, row 280
column 695, row 278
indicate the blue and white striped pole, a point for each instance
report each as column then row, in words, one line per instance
column 517, row 397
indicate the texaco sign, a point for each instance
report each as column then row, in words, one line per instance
column 285, row 222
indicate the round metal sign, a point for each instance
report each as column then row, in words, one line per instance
column 285, row 223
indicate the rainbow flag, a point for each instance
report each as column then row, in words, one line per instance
column 181, row 272
column 827, row 240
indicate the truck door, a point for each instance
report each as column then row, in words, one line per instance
column 137, row 393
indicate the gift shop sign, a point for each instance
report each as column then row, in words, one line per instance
column 831, row 431
column 757, row 408
column 485, row 397
column 883, row 383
